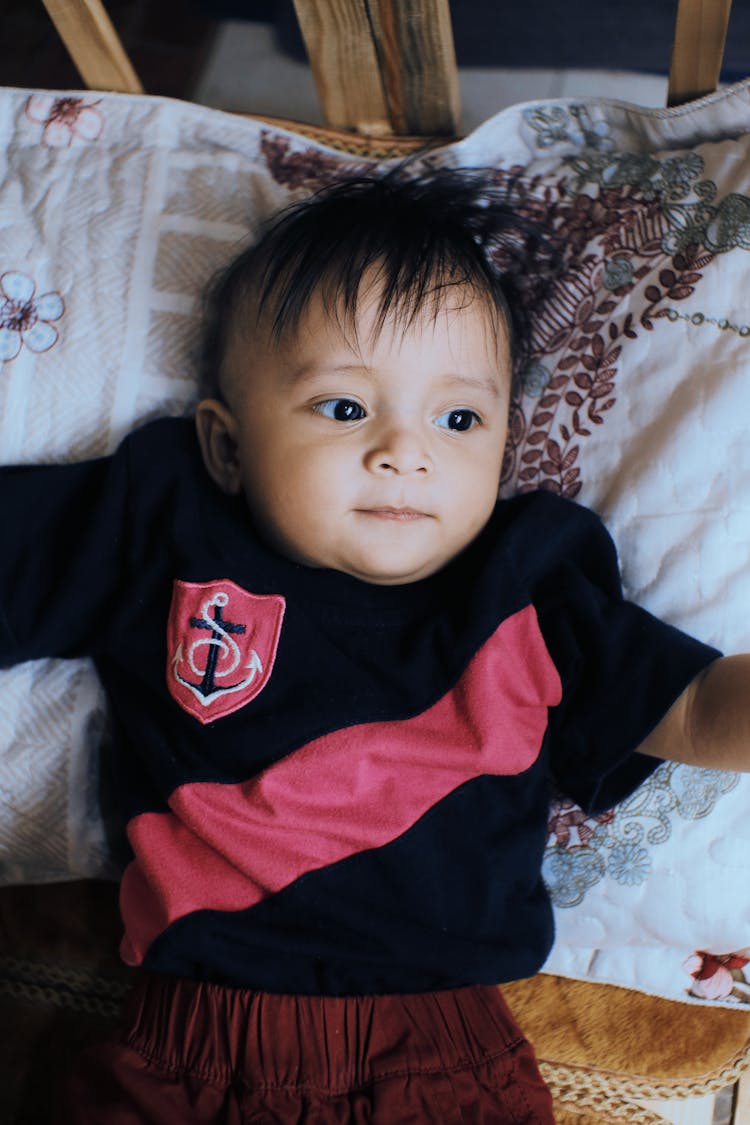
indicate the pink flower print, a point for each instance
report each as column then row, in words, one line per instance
column 716, row 975
column 570, row 827
column 65, row 118
column 24, row 319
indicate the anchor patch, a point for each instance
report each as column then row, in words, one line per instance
column 221, row 646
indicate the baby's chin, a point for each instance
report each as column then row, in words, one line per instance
column 373, row 562
column 392, row 579
column 385, row 574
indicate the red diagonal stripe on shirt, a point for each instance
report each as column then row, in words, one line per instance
column 229, row 846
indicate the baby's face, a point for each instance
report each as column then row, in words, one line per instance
column 379, row 457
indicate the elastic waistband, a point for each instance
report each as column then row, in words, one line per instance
column 333, row 1043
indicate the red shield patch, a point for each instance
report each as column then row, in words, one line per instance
column 221, row 646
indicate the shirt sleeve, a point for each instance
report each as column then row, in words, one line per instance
column 62, row 557
column 621, row 667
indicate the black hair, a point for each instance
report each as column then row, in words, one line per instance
column 421, row 233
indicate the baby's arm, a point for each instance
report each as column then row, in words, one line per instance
column 709, row 724
column 62, row 557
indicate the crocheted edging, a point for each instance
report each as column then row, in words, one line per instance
column 61, row 987
column 617, row 1095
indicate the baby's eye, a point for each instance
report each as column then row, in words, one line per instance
column 340, row 409
column 458, row 419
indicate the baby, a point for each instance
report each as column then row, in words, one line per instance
column 346, row 682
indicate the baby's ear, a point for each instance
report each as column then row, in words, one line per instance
column 217, row 434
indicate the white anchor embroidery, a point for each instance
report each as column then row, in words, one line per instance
column 221, row 647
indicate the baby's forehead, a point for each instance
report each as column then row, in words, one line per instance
column 422, row 231
column 341, row 321
column 454, row 341
column 374, row 306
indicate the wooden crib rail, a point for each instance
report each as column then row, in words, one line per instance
column 386, row 66
column 700, row 35
column 93, row 45
column 383, row 66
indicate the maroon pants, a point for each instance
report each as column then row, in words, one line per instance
column 191, row 1053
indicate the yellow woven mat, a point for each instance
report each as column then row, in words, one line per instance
column 374, row 148
column 601, row 1048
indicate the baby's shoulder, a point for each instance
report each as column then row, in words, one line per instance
column 547, row 517
column 161, row 435
column 543, row 533
column 162, row 458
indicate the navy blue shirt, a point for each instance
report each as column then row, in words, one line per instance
column 329, row 786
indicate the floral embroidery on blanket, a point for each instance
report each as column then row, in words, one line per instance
column 25, row 319
column 582, row 849
column 699, row 319
column 719, row 976
column 294, row 167
column 66, row 119
column 635, row 234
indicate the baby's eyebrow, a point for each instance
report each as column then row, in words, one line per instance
column 309, row 371
column 475, row 382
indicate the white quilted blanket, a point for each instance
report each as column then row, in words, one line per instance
column 115, row 210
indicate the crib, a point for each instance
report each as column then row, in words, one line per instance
column 612, row 1049
column 387, row 68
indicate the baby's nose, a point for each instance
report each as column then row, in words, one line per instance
column 399, row 449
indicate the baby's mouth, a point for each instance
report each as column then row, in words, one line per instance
column 404, row 515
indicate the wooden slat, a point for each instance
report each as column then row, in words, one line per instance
column 742, row 1102
column 344, row 63
column 94, row 45
column 414, row 42
column 700, row 35
column 683, row 1111
column 383, row 66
